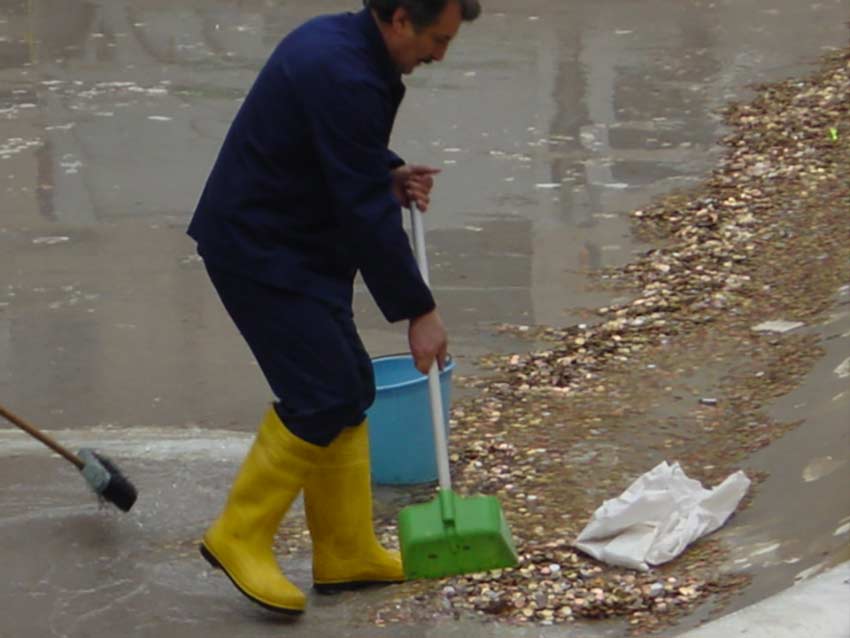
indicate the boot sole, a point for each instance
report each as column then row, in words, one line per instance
column 213, row 561
column 337, row 588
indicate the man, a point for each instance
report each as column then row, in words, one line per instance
column 304, row 194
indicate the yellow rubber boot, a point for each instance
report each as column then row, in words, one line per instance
column 338, row 503
column 240, row 540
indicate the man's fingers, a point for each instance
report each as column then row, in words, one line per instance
column 413, row 191
column 420, row 197
column 418, row 185
column 424, row 180
column 421, row 181
column 423, row 363
column 428, row 340
column 421, row 203
column 417, row 170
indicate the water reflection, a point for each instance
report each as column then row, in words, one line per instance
column 113, row 90
column 622, row 129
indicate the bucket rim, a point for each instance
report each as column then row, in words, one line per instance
column 450, row 364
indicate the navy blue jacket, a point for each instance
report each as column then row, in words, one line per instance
column 300, row 196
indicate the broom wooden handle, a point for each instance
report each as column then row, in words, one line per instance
column 41, row 436
column 434, row 391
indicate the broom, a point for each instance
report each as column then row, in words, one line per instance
column 103, row 477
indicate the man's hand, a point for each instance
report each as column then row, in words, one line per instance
column 412, row 183
column 428, row 340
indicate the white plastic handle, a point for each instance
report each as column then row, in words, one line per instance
column 434, row 391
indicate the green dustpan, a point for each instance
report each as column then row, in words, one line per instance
column 452, row 534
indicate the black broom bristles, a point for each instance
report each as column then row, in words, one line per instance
column 118, row 490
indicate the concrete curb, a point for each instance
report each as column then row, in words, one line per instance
column 818, row 607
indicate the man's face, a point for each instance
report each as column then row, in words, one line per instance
column 428, row 44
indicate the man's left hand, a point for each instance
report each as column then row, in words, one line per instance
column 413, row 183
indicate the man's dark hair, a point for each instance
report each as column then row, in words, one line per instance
column 422, row 13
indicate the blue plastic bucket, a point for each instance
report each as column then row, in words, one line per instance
column 401, row 436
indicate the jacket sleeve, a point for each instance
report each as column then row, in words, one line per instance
column 393, row 160
column 350, row 120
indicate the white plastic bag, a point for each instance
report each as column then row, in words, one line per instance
column 658, row 516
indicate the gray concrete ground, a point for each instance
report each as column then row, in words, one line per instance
column 816, row 607
column 551, row 121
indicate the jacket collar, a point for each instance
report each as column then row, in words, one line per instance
column 366, row 25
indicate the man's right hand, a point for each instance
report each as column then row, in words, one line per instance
column 428, row 341
column 413, row 183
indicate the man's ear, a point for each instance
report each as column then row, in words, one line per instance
column 400, row 22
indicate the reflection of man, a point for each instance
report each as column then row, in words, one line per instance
column 304, row 194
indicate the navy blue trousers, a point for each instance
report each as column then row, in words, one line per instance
column 309, row 352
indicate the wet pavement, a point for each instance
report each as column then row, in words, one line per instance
column 551, row 122
column 798, row 526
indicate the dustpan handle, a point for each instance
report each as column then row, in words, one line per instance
column 434, row 391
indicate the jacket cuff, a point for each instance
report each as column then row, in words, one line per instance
column 394, row 161
column 409, row 308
